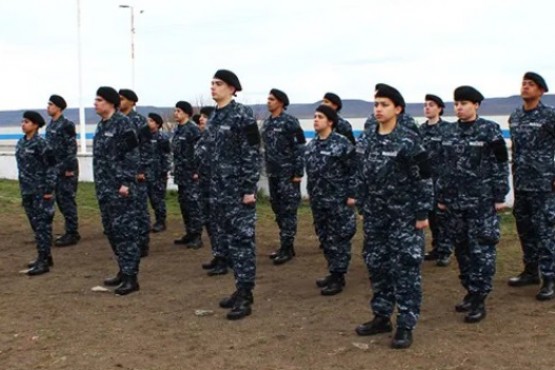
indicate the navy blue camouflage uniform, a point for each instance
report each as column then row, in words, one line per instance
column 185, row 138
column 116, row 163
column 284, row 141
column 404, row 119
column 157, row 167
column 344, row 128
column 61, row 137
column 533, row 152
column 234, row 156
column 330, row 170
column 432, row 136
column 37, row 173
column 394, row 191
column 475, row 177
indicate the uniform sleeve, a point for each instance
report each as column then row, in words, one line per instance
column 249, row 171
column 69, row 162
column 421, row 173
column 500, row 165
column 144, row 135
column 165, row 154
column 49, row 161
column 299, row 142
column 346, row 130
column 350, row 161
column 128, row 159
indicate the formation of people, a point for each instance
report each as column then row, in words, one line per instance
column 400, row 177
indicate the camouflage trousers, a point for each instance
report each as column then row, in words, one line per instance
column 120, row 223
column 335, row 227
column 285, row 197
column 40, row 213
column 236, row 233
column 441, row 244
column 66, row 191
column 475, row 233
column 188, row 196
column 209, row 216
column 393, row 256
column 143, row 218
column 535, row 221
column 157, row 196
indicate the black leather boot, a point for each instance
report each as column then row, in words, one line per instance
column 378, row 325
column 49, row 258
column 210, row 265
column 431, row 255
column 128, row 285
column 114, row 281
column 195, row 242
column 335, row 285
column 220, row 268
column 547, row 291
column 158, row 227
column 465, row 305
column 477, row 310
column 228, row 302
column 41, row 265
column 323, row 282
column 402, row 339
column 530, row 276
column 183, row 240
column 443, row 261
column 242, row 305
column 286, row 253
column 67, row 239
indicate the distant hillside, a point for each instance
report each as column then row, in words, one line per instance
column 351, row 109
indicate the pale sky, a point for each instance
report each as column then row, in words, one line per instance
column 302, row 47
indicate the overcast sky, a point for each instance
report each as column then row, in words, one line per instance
column 302, row 47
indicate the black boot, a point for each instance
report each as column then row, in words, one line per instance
column 287, row 252
column 477, row 310
column 229, row 302
column 431, row 255
column 220, row 268
column 158, row 227
column 242, row 305
column 547, row 291
column 195, row 242
column 67, row 239
column 379, row 324
column 144, row 250
column 465, row 305
column 210, row 265
column 183, row 240
column 402, row 339
column 443, row 261
column 114, row 281
column 335, row 285
column 49, row 258
column 530, row 276
column 41, row 265
column 275, row 253
column 128, row 285
column 323, row 282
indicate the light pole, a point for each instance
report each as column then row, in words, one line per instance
column 82, row 126
column 132, row 10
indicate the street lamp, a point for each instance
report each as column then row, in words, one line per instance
column 132, row 10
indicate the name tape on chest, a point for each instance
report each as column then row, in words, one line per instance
column 109, row 134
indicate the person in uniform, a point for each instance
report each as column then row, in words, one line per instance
column 37, row 174
column 471, row 189
column 234, row 157
column 283, row 140
column 185, row 174
column 129, row 100
column 532, row 129
column 395, row 195
column 331, row 186
column 343, row 126
column 61, row 137
column 431, row 132
column 157, row 169
column 116, row 162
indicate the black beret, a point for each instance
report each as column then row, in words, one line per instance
column 281, row 96
column 335, row 99
column 109, row 94
column 537, row 79
column 129, row 95
column 468, row 93
column 329, row 112
column 207, row 111
column 156, row 118
column 386, row 91
column 58, row 101
column 34, row 117
column 185, row 107
column 229, row 78
column 435, row 99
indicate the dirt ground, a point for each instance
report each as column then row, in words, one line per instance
column 55, row 321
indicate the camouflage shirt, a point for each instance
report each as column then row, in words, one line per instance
column 432, row 136
column 144, row 135
column 475, row 165
column 158, row 155
column 115, row 157
column 61, row 137
column 284, row 141
column 533, row 148
column 36, row 165
column 184, row 140
column 404, row 120
column 330, row 169
column 344, row 128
